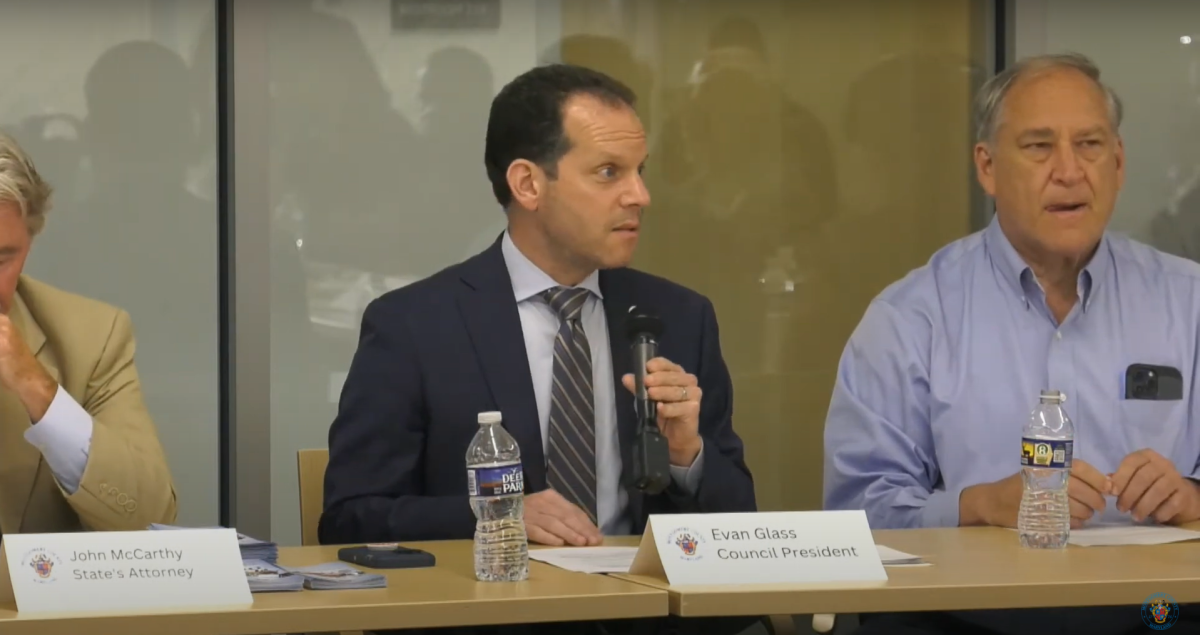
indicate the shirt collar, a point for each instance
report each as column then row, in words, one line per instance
column 528, row 280
column 1020, row 278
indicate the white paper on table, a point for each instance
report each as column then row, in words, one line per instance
column 1105, row 535
column 618, row 559
column 587, row 559
column 895, row 558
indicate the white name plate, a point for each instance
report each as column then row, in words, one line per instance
column 759, row 548
column 124, row 571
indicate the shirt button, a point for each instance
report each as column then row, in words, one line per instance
column 1058, row 335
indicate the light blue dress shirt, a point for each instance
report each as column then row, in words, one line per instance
column 64, row 437
column 539, row 325
column 939, row 378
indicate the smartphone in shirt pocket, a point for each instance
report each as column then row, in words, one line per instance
column 1150, row 382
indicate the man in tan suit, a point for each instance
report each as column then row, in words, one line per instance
column 77, row 447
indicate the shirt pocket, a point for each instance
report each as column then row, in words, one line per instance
column 1157, row 425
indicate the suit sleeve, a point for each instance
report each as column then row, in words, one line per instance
column 725, row 483
column 374, row 481
column 126, row 484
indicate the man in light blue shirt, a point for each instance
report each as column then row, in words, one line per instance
column 936, row 383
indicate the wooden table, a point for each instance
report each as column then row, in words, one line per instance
column 973, row 568
column 445, row 595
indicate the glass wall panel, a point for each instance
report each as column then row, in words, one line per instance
column 117, row 109
column 804, row 155
column 1156, row 70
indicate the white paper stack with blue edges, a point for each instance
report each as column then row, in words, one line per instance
column 336, row 576
column 264, row 574
column 265, row 577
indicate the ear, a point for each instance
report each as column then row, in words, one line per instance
column 1120, row 157
column 527, row 182
column 985, row 168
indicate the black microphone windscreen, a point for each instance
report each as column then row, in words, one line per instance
column 640, row 321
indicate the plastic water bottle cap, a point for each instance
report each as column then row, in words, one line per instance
column 489, row 418
column 1053, row 396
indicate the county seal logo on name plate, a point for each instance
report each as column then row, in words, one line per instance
column 687, row 542
column 1160, row 611
column 43, row 564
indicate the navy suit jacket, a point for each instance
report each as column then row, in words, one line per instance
column 434, row 354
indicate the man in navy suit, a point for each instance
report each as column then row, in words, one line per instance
column 533, row 328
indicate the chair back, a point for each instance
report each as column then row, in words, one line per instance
column 312, row 464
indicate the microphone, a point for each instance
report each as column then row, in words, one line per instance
column 648, row 467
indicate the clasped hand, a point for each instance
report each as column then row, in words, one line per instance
column 22, row 374
column 1145, row 484
column 1148, row 485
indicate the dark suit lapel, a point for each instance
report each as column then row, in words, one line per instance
column 489, row 309
column 618, row 297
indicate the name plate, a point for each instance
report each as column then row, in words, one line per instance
column 759, row 548
column 124, row 571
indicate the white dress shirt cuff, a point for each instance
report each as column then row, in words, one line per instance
column 688, row 478
column 64, row 437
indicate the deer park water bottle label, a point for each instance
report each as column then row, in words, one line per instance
column 1048, row 453
column 499, row 480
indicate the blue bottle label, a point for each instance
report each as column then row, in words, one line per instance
column 500, row 480
column 1046, row 453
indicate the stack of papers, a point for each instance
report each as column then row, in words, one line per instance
column 894, row 558
column 337, row 576
column 259, row 559
column 251, row 548
column 266, row 577
column 255, row 549
column 587, row 559
column 1117, row 534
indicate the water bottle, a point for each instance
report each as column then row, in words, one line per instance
column 1044, row 521
column 496, row 485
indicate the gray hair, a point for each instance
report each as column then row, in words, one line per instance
column 21, row 185
column 990, row 99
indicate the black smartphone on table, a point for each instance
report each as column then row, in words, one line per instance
column 386, row 556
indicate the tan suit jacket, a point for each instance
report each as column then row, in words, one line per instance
column 87, row 346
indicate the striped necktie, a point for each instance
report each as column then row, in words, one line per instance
column 571, row 456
